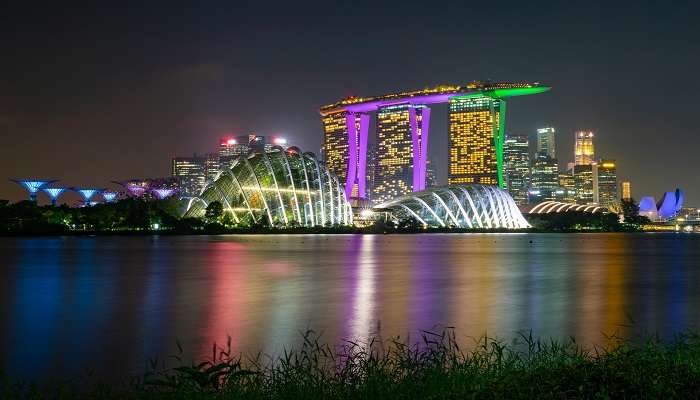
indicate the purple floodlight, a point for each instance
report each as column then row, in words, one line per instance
column 420, row 145
column 362, row 167
column 163, row 193
column 352, row 153
column 357, row 149
column 53, row 193
column 109, row 196
column 33, row 185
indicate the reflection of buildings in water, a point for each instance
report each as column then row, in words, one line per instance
column 428, row 302
column 284, row 296
column 615, row 265
column 600, row 284
column 230, row 301
column 361, row 318
column 474, row 269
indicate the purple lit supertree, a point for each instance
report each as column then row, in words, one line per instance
column 163, row 193
column 54, row 193
column 135, row 187
column 33, row 185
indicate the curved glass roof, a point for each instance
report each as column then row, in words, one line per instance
column 280, row 187
column 460, row 206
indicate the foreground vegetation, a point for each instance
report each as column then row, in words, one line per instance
column 436, row 368
column 139, row 216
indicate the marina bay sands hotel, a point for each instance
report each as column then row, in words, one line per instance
column 476, row 136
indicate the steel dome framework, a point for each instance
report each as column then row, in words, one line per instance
column 549, row 207
column 279, row 187
column 460, row 206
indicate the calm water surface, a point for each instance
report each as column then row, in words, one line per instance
column 110, row 303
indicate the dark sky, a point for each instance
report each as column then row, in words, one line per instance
column 90, row 95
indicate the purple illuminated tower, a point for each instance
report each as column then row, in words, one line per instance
column 33, row 185
column 54, row 193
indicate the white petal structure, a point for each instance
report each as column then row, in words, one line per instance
column 461, row 206
column 279, row 187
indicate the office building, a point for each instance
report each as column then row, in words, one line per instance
column 584, row 183
column 473, row 132
column 231, row 147
column 626, row 190
column 546, row 142
column 394, row 143
column 584, row 151
column 192, row 173
column 430, row 175
column 568, row 184
column 606, row 178
column 516, row 156
column 545, row 172
column 335, row 143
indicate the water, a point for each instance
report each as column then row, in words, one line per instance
column 108, row 304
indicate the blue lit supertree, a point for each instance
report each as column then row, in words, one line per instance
column 53, row 193
column 109, row 196
column 88, row 193
column 33, row 185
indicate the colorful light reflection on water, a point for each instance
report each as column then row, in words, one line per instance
column 67, row 304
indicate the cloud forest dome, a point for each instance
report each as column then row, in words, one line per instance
column 279, row 187
column 436, row 94
column 460, row 206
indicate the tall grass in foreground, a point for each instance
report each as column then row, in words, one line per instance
column 437, row 368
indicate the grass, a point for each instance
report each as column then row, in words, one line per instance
column 436, row 368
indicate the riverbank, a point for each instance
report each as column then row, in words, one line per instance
column 436, row 368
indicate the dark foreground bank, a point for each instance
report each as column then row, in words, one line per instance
column 437, row 368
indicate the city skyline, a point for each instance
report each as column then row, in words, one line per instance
column 147, row 109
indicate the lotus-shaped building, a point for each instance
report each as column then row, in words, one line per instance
column 277, row 188
column 459, row 206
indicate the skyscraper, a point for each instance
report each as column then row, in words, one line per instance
column 190, row 173
column 584, row 152
column 394, row 170
column 335, row 143
column 230, row 148
column 475, row 140
column 516, row 158
column 545, row 172
column 568, row 185
column 430, row 175
column 546, row 142
column 584, row 183
column 626, row 190
column 606, row 178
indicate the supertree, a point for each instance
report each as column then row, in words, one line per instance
column 109, row 196
column 33, row 185
column 54, row 193
column 88, row 193
column 163, row 193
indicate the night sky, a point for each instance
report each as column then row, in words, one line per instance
column 89, row 95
